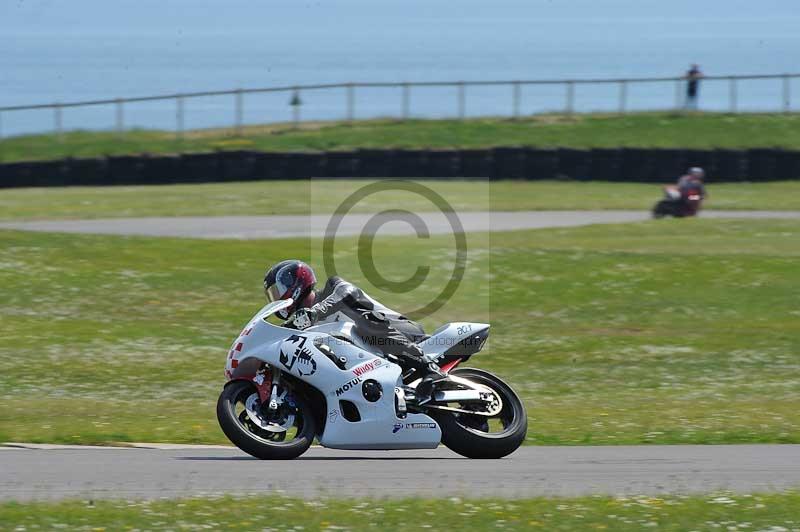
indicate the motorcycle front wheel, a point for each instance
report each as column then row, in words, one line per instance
column 662, row 208
column 477, row 436
column 281, row 435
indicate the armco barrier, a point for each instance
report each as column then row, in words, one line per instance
column 705, row 159
column 636, row 164
column 301, row 165
column 271, row 166
column 541, row 163
column 16, row 175
column 602, row 164
column 787, row 164
column 476, row 163
column 375, row 163
column 573, row 164
column 342, row 164
column 237, row 165
column 761, row 164
column 731, row 165
column 199, row 168
column 91, row 172
column 125, row 170
column 162, row 168
column 444, row 163
column 410, row 163
column 510, row 163
column 667, row 164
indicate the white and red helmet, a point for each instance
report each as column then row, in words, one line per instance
column 290, row 279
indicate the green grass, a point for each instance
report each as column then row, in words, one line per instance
column 710, row 512
column 293, row 197
column 677, row 331
column 695, row 130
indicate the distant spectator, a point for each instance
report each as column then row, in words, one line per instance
column 693, row 77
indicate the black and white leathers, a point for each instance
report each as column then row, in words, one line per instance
column 390, row 331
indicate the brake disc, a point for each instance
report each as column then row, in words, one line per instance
column 253, row 407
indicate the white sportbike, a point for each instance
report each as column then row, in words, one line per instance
column 286, row 387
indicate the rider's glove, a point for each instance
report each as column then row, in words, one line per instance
column 303, row 318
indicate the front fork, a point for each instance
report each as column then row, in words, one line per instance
column 273, row 396
column 267, row 381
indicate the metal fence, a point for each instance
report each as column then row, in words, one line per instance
column 508, row 100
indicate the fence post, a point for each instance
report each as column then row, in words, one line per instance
column 515, row 99
column 179, row 117
column 733, row 94
column 623, row 96
column 239, row 112
column 462, row 100
column 570, row 98
column 57, row 121
column 787, row 94
column 1, row 125
column 406, row 101
column 351, row 103
column 120, row 125
column 679, row 102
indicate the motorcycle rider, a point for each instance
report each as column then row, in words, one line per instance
column 394, row 334
column 692, row 180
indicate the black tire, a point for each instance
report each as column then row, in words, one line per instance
column 662, row 208
column 473, row 441
column 252, row 443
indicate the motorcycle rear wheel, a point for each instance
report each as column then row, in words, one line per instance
column 258, row 442
column 472, row 435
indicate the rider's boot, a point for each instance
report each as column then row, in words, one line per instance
column 424, row 390
column 413, row 359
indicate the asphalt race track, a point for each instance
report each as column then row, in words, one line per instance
column 55, row 472
column 287, row 226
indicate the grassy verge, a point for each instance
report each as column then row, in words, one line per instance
column 685, row 331
column 696, row 130
column 711, row 512
column 293, row 197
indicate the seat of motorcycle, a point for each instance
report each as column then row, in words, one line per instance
column 407, row 327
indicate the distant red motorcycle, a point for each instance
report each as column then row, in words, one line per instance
column 679, row 202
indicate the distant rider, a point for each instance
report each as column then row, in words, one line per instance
column 339, row 300
column 691, row 181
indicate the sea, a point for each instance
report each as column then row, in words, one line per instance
column 65, row 51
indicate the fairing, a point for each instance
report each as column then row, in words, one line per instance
column 455, row 339
column 299, row 353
